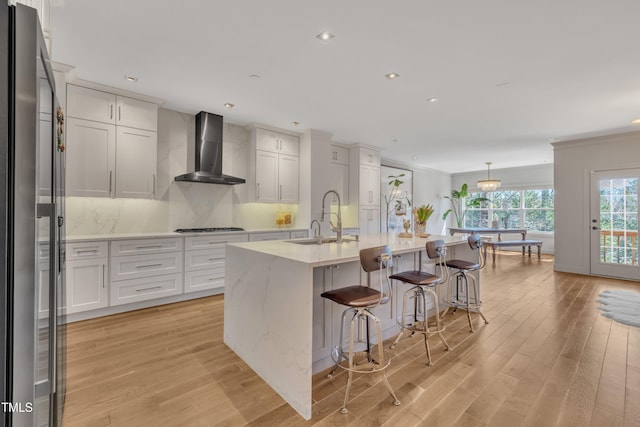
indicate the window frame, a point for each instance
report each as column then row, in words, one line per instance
column 522, row 210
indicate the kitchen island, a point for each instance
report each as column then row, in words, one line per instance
column 274, row 318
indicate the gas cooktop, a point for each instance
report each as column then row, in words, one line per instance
column 208, row 230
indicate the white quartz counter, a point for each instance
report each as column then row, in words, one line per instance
column 347, row 251
column 160, row 234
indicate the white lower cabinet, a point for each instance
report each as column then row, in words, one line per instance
column 145, row 288
column 204, row 259
column 87, row 285
column 86, row 276
column 151, row 268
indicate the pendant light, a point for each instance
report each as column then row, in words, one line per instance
column 489, row 184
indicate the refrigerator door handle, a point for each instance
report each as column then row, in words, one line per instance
column 47, row 210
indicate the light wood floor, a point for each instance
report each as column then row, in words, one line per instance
column 546, row 358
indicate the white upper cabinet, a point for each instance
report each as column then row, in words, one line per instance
column 100, row 106
column 339, row 165
column 111, row 145
column 274, row 167
column 266, row 176
column 275, row 142
column 369, row 186
column 288, row 178
column 369, row 157
column 339, row 155
column 137, row 114
column 136, row 163
column 90, row 104
column 91, row 158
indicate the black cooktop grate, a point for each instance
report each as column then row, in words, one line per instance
column 208, row 230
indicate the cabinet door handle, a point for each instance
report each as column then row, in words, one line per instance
column 153, row 189
column 148, row 265
column 257, row 190
column 277, row 144
column 110, row 182
column 148, row 289
column 110, row 111
column 280, row 195
column 119, row 113
column 104, row 281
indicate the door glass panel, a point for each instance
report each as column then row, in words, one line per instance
column 619, row 221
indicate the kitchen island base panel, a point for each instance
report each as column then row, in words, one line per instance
column 268, row 321
column 274, row 318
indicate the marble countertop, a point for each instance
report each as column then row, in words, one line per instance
column 160, row 234
column 347, row 251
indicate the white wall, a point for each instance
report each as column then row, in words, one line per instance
column 574, row 161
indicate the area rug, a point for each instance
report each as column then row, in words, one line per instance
column 621, row 305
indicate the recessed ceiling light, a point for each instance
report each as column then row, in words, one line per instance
column 295, row 123
column 434, row 99
column 132, row 79
column 229, row 105
column 635, row 122
column 325, row 36
column 392, row 75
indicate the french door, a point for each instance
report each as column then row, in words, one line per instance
column 614, row 223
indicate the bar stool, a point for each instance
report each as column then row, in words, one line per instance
column 462, row 277
column 424, row 283
column 360, row 300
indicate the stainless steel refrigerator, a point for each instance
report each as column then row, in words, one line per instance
column 31, row 226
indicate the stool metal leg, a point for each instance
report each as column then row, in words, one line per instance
column 381, row 360
column 439, row 326
column 467, row 297
column 477, row 301
column 338, row 348
column 344, row 409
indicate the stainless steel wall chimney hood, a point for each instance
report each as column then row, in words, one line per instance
column 209, row 153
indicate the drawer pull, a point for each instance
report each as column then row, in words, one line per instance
column 148, row 289
column 149, row 247
column 87, row 251
column 148, row 265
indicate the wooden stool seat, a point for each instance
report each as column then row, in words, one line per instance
column 462, row 265
column 355, row 296
column 416, row 277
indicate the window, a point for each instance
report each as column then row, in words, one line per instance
column 531, row 209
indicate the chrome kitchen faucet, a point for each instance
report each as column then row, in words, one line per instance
column 337, row 229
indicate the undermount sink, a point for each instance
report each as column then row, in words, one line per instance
column 322, row 240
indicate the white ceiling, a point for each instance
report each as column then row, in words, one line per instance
column 509, row 74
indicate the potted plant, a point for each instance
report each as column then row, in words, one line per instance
column 459, row 204
column 421, row 215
